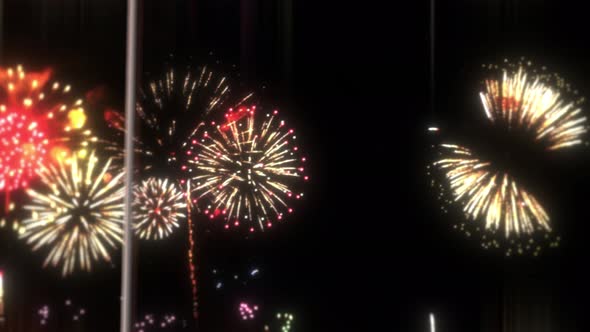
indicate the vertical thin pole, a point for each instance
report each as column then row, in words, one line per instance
column 432, row 55
column 130, row 91
column 1, row 30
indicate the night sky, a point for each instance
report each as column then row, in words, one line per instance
column 368, row 250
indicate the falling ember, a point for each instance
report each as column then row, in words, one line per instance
column 246, row 168
column 75, row 214
column 159, row 205
column 191, row 250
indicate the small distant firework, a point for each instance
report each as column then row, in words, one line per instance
column 77, row 213
column 224, row 279
column 43, row 314
column 246, row 169
column 159, row 205
column 247, row 311
column 151, row 322
column 286, row 321
column 171, row 107
column 75, row 313
column 516, row 97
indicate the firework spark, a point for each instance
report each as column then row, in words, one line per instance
column 516, row 98
column 172, row 107
column 39, row 121
column 246, row 169
column 490, row 194
column 286, row 321
column 523, row 99
column 38, row 96
column 159, row 205
column 150, row 322
column 496, row 206
column 247, row 311
column 77, row 214
column 23, row 148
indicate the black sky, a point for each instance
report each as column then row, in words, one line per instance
column 369, row 251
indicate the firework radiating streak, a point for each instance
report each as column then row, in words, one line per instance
column 171, row 108
column 491, row 194
column 247, row 170
column 159, row 205
column 523, row 102
column 521, row 99
column 38, row 119
column 80, row 213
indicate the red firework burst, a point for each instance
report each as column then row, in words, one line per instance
column 23, row 146
column 40, row 119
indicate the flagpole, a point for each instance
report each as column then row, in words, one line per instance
column 130, row 93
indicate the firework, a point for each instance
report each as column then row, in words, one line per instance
column 42, row 99
column 159, row 204
column 519, row 97
column 192, row 268
column 494, row 197
column 77, row 213
column 76, row 313
column 245, row 169
column 23, row 148
column 247, row 311
column 171, row 107
column 286, row 321
column 151, row 323
column 43, row 314
column 40, row 120
column 500, row 208
column 224, row 279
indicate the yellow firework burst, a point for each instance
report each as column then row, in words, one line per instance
column 171, row 107
column 77, row 213
column 159, row 206
column 523, row 98
column 519, row 98
column 497, row 208
column 246, row 170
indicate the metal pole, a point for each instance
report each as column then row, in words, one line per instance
column 1, row 30
column 130, row 92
